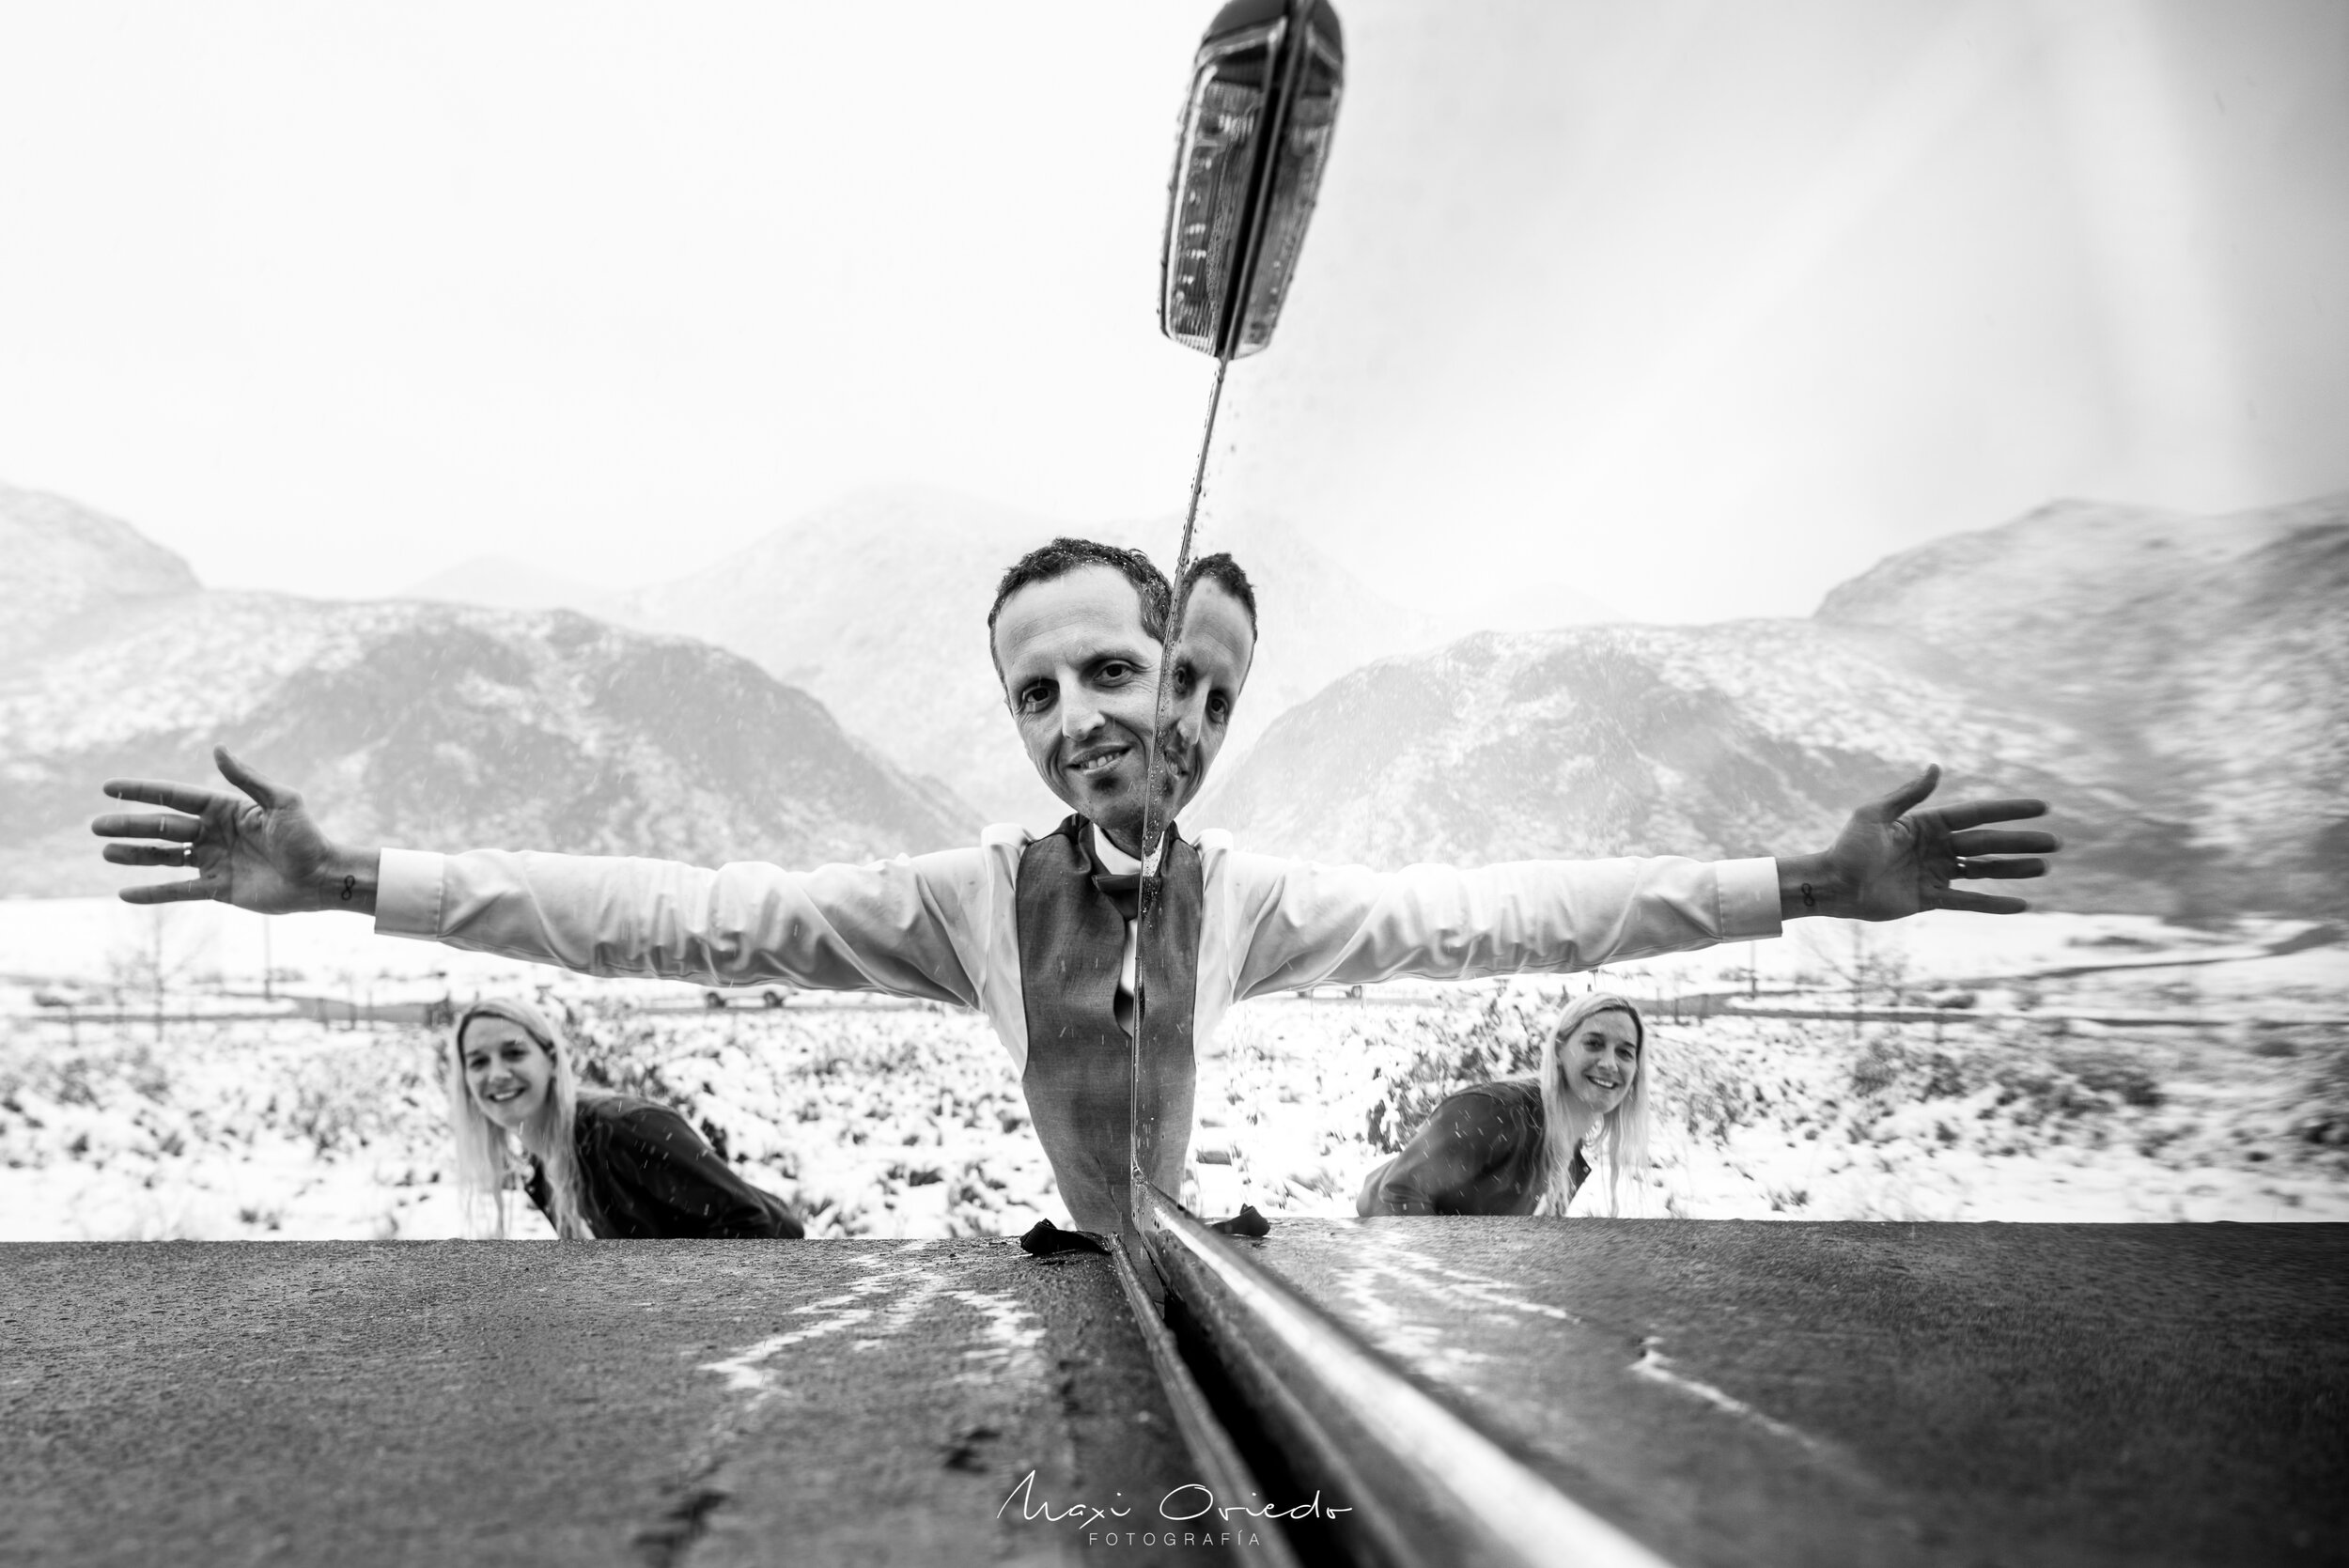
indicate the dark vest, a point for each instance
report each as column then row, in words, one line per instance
column 1072, row 939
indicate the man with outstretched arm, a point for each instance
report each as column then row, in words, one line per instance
column 1038, row 932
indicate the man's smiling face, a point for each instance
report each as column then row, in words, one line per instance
column 1080, row 677
column 1211, row 660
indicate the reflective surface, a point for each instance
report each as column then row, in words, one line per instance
column 1237, row 217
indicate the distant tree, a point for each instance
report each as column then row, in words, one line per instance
column 163, row 948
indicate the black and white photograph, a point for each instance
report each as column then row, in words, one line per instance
column 1278, row 783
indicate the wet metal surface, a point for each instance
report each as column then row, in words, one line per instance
column 702, row 1403
column 1873, row 1393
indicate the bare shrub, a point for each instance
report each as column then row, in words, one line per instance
column 1455, row 1049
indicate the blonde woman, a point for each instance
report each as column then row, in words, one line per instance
column 1517, row 1146
column 600, row 1164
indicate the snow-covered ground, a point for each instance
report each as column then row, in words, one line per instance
column 889, row 1120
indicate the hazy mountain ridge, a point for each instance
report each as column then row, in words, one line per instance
column 1716, row 741
column 59, row 560
column 878, row 605
column 2173, row 686
column 503, row 582
column 2209, row 656
column 441, row 726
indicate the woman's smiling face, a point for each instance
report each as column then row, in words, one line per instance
column 1602, row 1059
column 508, row 1072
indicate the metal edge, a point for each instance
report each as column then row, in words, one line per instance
column 1428, row 1487
column 1222, row 1468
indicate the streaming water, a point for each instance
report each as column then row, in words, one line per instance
column 1153, row 781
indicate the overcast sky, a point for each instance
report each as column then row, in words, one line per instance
column 1698, row 309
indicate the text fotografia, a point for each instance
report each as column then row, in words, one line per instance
column 1188, row 1504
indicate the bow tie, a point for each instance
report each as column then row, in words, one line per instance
column 1123, row 891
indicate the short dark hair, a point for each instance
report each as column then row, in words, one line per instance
column 1049, row 563
column 1221, row 568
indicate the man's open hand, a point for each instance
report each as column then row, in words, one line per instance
column 1891, row 860
column 260, row 851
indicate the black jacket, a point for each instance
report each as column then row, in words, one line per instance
column 648, row 1176
column 1485, row 1151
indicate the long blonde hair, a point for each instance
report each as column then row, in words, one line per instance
column 484, row 1150
column 1624, row 1128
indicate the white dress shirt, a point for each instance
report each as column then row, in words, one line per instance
column 1119, row 863
column 943, row 926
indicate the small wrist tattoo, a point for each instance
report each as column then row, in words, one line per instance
column 1808, row 902
column 350, row 885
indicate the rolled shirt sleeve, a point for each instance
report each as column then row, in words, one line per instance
column 1749, row 899
column 902, row 926
column 1298, row 924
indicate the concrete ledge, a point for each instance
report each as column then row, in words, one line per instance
column 1727, row 1392
column 1772, row 1393
column 626, row 1403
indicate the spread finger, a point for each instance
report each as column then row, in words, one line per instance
column 179, row 829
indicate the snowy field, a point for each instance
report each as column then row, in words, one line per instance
column 2176, row 1074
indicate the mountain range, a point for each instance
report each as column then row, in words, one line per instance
column 503, row 582
column 435, row 725
column 913, row 677
column 58, row 560
column 2173, row 684
column 878, row 605
column 2177, row 686
column 2207, row 657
